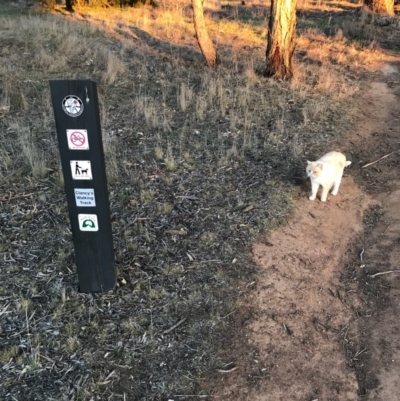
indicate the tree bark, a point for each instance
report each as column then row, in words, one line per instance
column 206, row 45
column 380, row 6
column 69, row 6
column 281, row 39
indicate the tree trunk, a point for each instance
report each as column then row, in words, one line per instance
column 69, row 6
column 281, row 39
column 380, row 6
column 205, row 43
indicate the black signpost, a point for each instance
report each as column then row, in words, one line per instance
column 77, row 116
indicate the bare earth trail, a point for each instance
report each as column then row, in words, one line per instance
column 321, row 328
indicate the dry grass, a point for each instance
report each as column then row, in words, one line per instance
column 199, row 162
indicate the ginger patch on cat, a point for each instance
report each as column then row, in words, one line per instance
column 326, row 172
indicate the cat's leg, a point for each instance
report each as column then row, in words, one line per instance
column 325, row 191
column 336, row 185
column 314, row 190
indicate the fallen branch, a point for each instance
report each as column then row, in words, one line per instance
column 12, row 196
column 382, row 273
column 128, row 225
column 227, row 370
column 190, row 197
column 376, row 161
column 287, row 329
column 174, row 326
column 177, row 232
column 359, row 353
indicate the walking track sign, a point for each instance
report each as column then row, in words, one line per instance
column 77, row 116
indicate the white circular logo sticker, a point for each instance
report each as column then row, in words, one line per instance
column 72, row 105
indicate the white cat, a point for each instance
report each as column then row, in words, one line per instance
column 327, row 172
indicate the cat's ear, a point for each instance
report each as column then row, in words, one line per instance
column 308, row 162
column 319, row 166
column 348, row 163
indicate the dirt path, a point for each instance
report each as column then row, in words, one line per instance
column 321, row 327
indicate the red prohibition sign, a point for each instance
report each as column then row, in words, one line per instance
column 77, row 138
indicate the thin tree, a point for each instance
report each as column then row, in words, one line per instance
column 380, row 6
column 281, row 39
column 206, row 45
column 69, row 5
